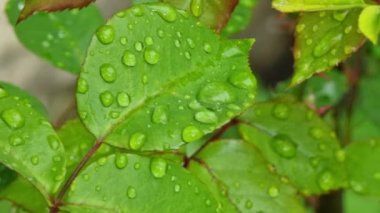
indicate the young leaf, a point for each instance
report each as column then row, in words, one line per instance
column 60, row 38
column 363, row 168
column 131, row 183
column 240, row 17
column 21, row 193
column 369, row 22
column 316, row 5
column 32, row 6
column 298, row 144
column 323, row 39
column 29, row 144
column 161, row 86
column 249, row 184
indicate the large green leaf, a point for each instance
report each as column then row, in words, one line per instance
column 29, row 144
column 317, row 5
column 156, row 185
column 21, row 193
column 354, row 203
column 298, row 144
column 363, row 168
column 161, row 86
column 240, row 18
column 324, row 39
column 369, row 22
column 249, row 185
column 60, row 38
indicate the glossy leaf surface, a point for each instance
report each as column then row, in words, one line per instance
column 316, row 5
column 369, row 23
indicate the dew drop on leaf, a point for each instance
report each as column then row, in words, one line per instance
column 191, row 134
column 248, row 204
column 121, row 161
column 216, row 93
column 16, row 140
column 160, row 115
column 273, row 191
column 206, row 116
column 158, row 167
column 138, row 46
column 131, row 192
column 281, row 111
column 129, row 59
column 53, row 142
column 177, row 188
column 316, row 133
column 149, row 41
column 207, row 48
column 340, row 15
column 106, row 98
column 106, row 34
column 137, row 11
column 197, row 7
column 35, row 160
column 82, row 86
column 13, row 118
column 284, row 146
column 325, row 180
column 151, row 56
column 123, row 99
column 166, row 12
column 137, row 140
column 108, row 73
column 242, row 80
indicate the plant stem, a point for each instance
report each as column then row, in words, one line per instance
column 58, row 200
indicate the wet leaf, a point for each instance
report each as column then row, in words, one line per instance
column 298, row 144
column 240, row 17
column 369, row 23
column 313, row 5
column 162, row 86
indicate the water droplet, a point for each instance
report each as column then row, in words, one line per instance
column 177, row 43
column 248, row 204
column 340, row 15
column 195, row 105
column 284, row 146
column 137, row 166
column 160, row 33
column 121, row 14
column 53, row 142
column 197, row 7
column 149, row 40
column 177, row 188
column 158, row 167
column 82, row 86
column 216, row 93
column 207, row 48
column 166, row 12
column 281, row 111
column 138, row 46
column 13, row 118
column 137, row 140
column 137, row 11
column 159, row 115
column 243, row 80
column 206, row 116
column 35, row 160
column 191, row 134
column 131, row 192
column 187, row 55
column 106, row 98
column 123, row 40
column 102, row 161
column 326, row 180
column 190, row 42
column 97, row 188
column 151, row 56
column 16, row 141
column 300, row 27
column 273, row 191
column 121, row 161
column 105, row 34
column 3, row 93
column 129, row 59
column 108, row 73
column 123, row 99
column 327, row 43
column 316, row 133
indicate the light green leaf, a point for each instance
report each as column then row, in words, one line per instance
column 240, row 17
column 21, row 193
column 298, row 144
column 29, row 144
column 15, row 91
column 249, row 184
column 162, row 86
column 323, row 40
column 363, row 168
column 369, row 23
column 156, row 185
column 354, row 203
column 61, row 38
column 316, row 5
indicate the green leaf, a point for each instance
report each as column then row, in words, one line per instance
column 77, row 141
column 60, row 38
column 363, row 168
column 21, row 193
column 162, row 86
column 156, row 185
column 324, row 39
column 240, row 17
column 298, row 144
column 29, row 144
column 32, row 6
column 249, row 184
column 316, row 5
column 369, row 22
column 354, row 203
column 15, row 91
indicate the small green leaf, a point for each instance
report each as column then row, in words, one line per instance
column 238, row 173
column 323, row 40
column 316, row 5
column 175, row 81
column 363, row 168
column 15, row 91
column 61, row 38
column 29, row 144
column 22, row 194
column 155, row 185
column 369, row 23
column 240, row 17
column 32, row 6
column 298, row 144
